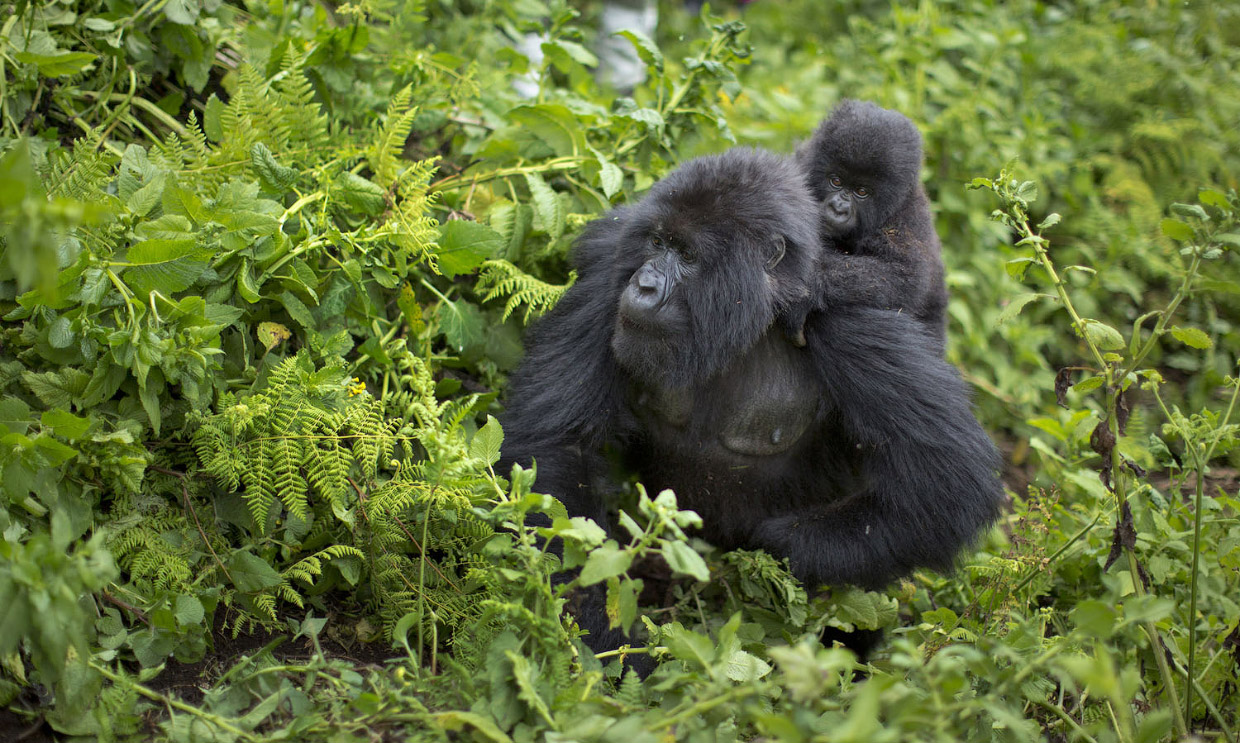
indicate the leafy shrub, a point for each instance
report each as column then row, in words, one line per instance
column 265, row 267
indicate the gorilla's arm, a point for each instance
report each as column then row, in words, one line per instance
column 895, row 267
column 929, row 469
column 565, row 399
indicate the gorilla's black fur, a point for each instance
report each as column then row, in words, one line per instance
column 881, row 249
column 857, row 456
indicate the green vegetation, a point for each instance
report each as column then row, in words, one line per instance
column 265, row 267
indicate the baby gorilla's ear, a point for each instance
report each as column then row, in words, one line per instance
column 779, row 248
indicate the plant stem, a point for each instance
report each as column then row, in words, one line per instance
column 1113, row 392
column 1199, row 498
column 176, row 704
column 706, row 705
column 1156, row 644
column 1076, row 728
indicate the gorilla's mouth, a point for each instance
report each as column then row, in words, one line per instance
column 638, row 324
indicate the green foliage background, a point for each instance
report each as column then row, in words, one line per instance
column 266, row 266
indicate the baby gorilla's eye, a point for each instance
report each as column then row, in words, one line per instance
column 657, row 242
column 835, row 181
column 862, row 192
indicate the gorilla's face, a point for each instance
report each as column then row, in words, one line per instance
column 707, row 260
column 845, row 207
column 864, row 165
column 654, row 335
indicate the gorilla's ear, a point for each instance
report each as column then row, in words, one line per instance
column 778, row 250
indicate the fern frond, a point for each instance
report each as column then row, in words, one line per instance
column 384, row 155
column 498, row 277
column 82, row 174
column 289, row 484
column 259, row 480
column 327, row 469
column 301, row 113
column 416, row 230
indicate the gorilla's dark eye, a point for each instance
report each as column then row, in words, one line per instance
column 835, row 181
column 862, row 192
column 657, row 242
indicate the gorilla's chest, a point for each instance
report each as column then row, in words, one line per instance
column 761, row 406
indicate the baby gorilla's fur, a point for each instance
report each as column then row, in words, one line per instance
column 880, row 246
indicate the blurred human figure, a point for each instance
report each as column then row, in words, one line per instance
column 618, row 63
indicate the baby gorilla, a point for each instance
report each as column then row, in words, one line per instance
column 881, row 249
column 856, row 455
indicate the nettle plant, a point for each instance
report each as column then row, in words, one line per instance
column 1176, row 556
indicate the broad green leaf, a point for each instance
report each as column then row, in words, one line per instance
column 272, row 334
column 866, row 609
column 648, row 117
column 689, row 646
column 511, row 221
column 149, row 391
column 579, row 528
column 607, row 561
column 223, row 314
column 189, row 610
column 142, row 201
column 1017, row 304
column 682, row 559
column 275, row 175
column 1213, row 198
column 464, row 245
column 1194, row 337
column 167, row 227
column 361, row 195
column 1089, row 384
column 1027, row 191
column 547, row 204
column 744, row 668
column 212, row 119
column 1017, row 267
column 56, row 389
column 553, row 124
column 1103, row 336
column 486, row 442
column 1176, row 230
column 15, row 414
column 462, row 324
column 563, row 53
column 1095, row 618
column 647, row 50
column 251, row 574
column 526, row 676
column 298, row 310
column 183, row 201
column 610, row 176
column 57, row 65
column 247, row 286
column 60, row 334
column 1190, row 210
column 183, row 12
column 65, row 424
column 622, row 602
column 167, row 265
column 485, row 726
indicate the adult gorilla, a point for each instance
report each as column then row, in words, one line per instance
column 857, row 457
